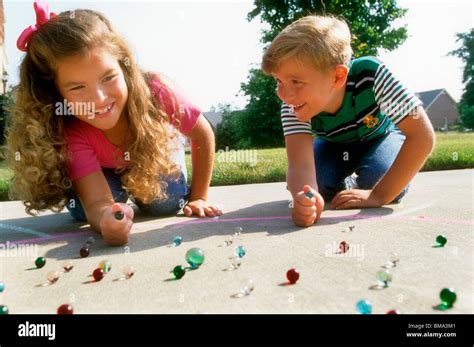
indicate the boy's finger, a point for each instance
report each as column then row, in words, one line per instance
column 308, row 190
column 306, row 211
column 303, row 200
column 319, row 206
column 347, row 204
column 307, row 216
column 341, row 197
column 304, row 222
column 336, row 201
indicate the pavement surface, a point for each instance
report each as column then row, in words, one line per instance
column 330, row 282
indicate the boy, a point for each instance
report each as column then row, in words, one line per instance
column 373, row 136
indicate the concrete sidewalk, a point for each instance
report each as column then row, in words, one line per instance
column 438, row 203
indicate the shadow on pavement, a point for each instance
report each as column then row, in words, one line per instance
column 271, row 217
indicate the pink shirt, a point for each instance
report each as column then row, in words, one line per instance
column 90, row 150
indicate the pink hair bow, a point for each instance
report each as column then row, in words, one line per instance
column 42, row 16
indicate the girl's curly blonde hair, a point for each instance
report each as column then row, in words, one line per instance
column 37, row 148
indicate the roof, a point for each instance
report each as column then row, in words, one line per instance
column 213, row 117
column 427, row 97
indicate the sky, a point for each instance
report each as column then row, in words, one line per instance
column 208, row 47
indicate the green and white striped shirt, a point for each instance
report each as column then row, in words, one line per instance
column 374, row 102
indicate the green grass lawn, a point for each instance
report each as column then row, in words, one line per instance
column 453, row 151
column 5, row 176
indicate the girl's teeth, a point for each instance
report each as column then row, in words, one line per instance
column 104, row 110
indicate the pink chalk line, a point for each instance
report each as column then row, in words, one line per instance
column 248, row 219
column 347, row 217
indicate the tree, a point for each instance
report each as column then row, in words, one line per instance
column 227, row 131
column 6, row 102
column 370, row 22
column 260, row 123
column 466, row 53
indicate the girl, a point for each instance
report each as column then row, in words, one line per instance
column 89, row 127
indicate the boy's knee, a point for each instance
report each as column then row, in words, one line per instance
column 368, row 177
column 328, row 189
column 400, row 196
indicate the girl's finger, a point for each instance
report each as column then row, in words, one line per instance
column 188, row 212
column 129, row 212
column 119, row 224
column 216, row 210
column 209, row 212
column 127, row 227
column 198, row 210
column 116, row 207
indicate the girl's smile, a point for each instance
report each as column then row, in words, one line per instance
column 101, row 113
column 94, row 78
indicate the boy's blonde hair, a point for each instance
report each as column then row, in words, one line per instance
column 321, row 41
column 37, row 147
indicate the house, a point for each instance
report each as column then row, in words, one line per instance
column 440, row 107
column 213, row 118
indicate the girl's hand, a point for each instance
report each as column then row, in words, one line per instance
column 201, row 209
column 354, row 198
column 307, row 211
column 115, row 231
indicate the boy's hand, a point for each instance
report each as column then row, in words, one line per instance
column 116, row 231
column 201, row 208
column 355, row 198
column 307, row 211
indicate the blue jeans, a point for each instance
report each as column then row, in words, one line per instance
column 336, row 162
column 177, row 191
